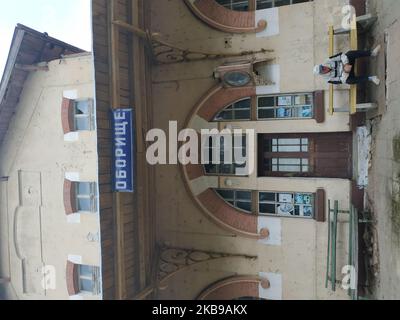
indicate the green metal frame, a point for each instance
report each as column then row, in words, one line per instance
column 331, row 269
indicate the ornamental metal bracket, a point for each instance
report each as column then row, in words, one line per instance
column 171, row 261
column 174, row 260
column 164, row 52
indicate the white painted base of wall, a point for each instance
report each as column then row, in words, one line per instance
column 275, row 291
column 71, row 137
column 74, row 218
column 272, row 17
column 270, row 72
column 274, row 225
column 75, row 259
column 72, row 176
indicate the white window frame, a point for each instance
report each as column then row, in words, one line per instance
column 233, row 201
column 276, row 203
column 92, row 196
column 233, row 166
column 90, row 116
column 232, row 4
column 231, row 108
column 94, row 278
column 294, row 109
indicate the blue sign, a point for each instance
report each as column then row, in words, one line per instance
column 123, row 150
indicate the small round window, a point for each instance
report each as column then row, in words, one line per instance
column 237, row 78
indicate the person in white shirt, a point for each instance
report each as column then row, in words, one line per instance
column 339, row 69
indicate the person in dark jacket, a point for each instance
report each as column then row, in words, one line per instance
column 339, row 69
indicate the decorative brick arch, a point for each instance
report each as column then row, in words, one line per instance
column 224, row 19
column 67, row 115
column 72, row 278
column 235, row 288
column 214, row 207
column 69, row 197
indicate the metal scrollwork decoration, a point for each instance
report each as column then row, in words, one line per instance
column 174, row 260
column 164, row 52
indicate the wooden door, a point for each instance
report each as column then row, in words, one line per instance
column 323, row 155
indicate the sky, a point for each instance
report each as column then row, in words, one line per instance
column 66, row 20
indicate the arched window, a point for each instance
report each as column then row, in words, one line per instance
column 240, row 199
column 245, row 5
column 225, row 166
column 240, row 110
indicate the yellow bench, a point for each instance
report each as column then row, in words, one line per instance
column 353, row 88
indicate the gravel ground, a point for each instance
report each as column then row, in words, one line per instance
column 384, row 177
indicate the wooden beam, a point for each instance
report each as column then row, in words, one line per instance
column 30, row 68
column 353, row 46
column 120, row 284
column 140, row 101
column 331, row 41
column 331, row 53
column 252, row 5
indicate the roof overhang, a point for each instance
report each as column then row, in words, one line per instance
column 29, row 47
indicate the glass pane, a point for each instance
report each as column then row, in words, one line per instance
column 307, row 211
column 242, row 114
column 289, row 161
column 279, row 3
column 82, row 123
column 211, row 168
column 82, row 107
column 289, row 168
column 226, row 194
column 267, row 196
column 266, row 102
column 240, row 5
column 86, row 285
column 226, row 169
column 289, row 142
column 84, row 204
column 264, row 4
column 267, row 208
column 285, row 197
column 243, row 195
column 285, row 101
column 237, row 78
column 85, row 271
column 284, row 113
column 302, row 198
column 266, row 114
column 224, row 115
column 243, row 104
column 285, row 208
column 306, row 112
column 84, row 188
column 300, row 100
column 246, row 206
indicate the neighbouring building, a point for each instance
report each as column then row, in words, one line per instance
column 50, row 228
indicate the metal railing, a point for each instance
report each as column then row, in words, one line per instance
column 331, row 269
